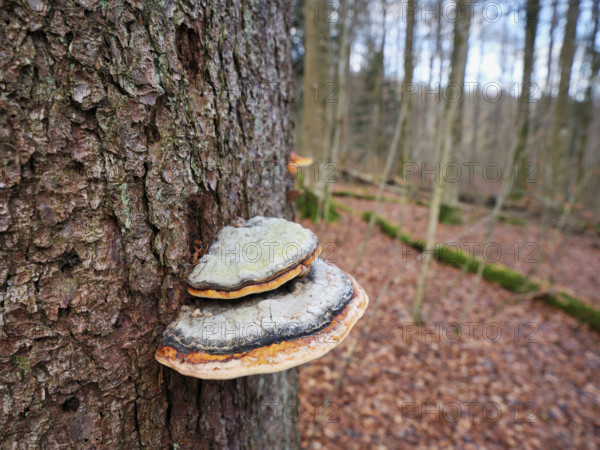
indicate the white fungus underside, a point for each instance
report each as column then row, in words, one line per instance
column 257, row 251
column 304, row 306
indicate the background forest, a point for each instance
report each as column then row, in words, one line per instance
column 456, row 174
column 527, row 70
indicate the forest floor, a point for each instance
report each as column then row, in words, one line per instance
column 516, row 373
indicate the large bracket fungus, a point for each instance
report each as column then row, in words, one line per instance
column 272, row 328
column 266, row 332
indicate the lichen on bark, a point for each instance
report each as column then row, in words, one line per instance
column 128, row 130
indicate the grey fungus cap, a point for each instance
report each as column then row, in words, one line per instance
column 259, row 255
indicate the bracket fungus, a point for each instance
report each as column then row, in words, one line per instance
column 266, row 332
column 297, row 161
column 295, row 308
column 259, row 255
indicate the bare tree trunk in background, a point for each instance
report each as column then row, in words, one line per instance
column 477, row 102
column 376, row 124
column 404, row 153
column 345, row 125
column 542, row 121
column 317, row 84
column 130, row 130
column 586, row 110
column 457, row 76
column 553, row 25
column 497, row 132
column 520, row 157
column 437, row 106
column 458, row 63
column 405, row 150
column 341, row 105
column 560, row 129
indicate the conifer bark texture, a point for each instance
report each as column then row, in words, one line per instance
column 129, row 129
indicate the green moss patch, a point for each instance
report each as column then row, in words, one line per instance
column 308, row 207
column 392, row 231
column 508, row 278
column 512, row 220
column 574, row 307
column 449, row 215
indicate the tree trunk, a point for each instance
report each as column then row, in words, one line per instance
column 431, row 118
column 477, row 99
column 456, row 80
column 377, row 144
column 341, row 106
column 585, row 112
column 405, row 150
column 561, row 135
column 318, row 88
column 533, row 7
column 553, row 25
column 129, row 130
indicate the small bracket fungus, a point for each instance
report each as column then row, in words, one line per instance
column 266, row 332
column 297, row 161
column 258, row 255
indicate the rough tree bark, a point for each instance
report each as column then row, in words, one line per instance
column 129, row 130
